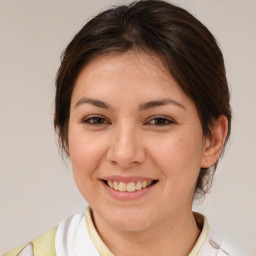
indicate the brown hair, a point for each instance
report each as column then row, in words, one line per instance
column 187, row 48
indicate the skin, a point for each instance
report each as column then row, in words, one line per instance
column 163, row 143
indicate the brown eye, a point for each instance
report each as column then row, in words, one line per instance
column 95, row 120
column 160, row 121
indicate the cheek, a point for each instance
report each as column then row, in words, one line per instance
column 179, row 158
column 86, row 153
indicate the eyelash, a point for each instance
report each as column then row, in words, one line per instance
column 100, row 120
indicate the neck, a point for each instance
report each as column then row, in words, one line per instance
column 175, row 236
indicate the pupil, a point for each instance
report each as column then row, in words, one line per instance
column 98, row 120
column 161, row 121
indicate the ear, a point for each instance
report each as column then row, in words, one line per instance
column 214, row 144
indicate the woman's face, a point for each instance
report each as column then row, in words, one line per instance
column 131, row 127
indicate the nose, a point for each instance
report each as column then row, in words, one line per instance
column 126, row 148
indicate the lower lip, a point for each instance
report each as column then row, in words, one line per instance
column 126, row 196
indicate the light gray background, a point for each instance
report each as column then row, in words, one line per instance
column 36, row 186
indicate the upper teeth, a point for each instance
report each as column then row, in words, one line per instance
column 129, row 187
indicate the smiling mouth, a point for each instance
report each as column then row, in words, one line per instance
column 130, row 186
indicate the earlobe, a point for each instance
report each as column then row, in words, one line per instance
column 214, row 144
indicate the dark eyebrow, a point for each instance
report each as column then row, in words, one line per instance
column 157, row 103
column 94, row 102
column 143, row 106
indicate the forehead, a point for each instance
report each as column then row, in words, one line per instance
column 150, row 65
column 125, row 71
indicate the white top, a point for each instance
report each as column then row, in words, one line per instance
column 75, row 230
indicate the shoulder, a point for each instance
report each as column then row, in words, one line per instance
column 213, row 246
column 61, row 240
column 209, row 243
column 41, row 246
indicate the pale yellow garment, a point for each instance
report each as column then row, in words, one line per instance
column 103, row 250
column 44, row 245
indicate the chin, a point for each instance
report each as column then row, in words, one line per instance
column 129, row 221
column 129, row 225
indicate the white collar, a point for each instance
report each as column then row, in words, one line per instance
column 75, row 230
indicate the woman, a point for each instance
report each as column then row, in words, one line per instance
column 142, row 111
